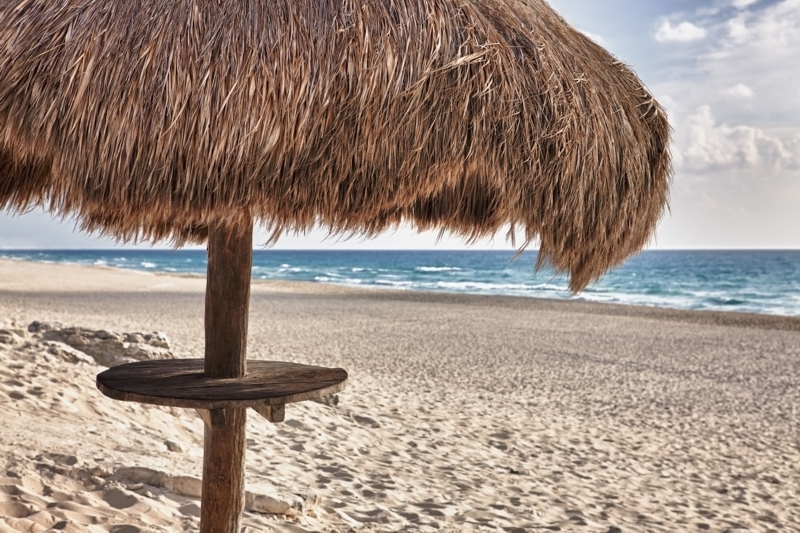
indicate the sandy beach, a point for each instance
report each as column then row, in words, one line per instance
column 463, row 413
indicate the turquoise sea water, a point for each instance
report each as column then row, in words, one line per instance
column 766, row 282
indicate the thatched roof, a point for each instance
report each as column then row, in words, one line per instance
column 148, row 119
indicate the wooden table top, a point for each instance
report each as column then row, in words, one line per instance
column 181, row 383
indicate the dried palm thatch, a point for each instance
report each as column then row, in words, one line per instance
column 150, row 119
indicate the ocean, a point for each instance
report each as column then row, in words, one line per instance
column 755, row 281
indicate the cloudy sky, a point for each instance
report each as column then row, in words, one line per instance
column 727, row 72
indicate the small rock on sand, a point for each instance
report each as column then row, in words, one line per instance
column 331, row 400
column 367, row 421
column 173, row 446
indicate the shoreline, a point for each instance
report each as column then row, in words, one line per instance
column 706, row 317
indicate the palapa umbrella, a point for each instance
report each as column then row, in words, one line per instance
column 185, row 120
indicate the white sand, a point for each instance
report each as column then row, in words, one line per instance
column 462, row 414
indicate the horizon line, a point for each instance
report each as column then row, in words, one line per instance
column 274, row 249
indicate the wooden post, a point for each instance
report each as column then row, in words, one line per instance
column 230, row 256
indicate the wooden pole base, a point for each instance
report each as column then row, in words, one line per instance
column 230, row 255
column 223, row 475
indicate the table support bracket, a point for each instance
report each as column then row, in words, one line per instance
column 273, row 413
column 214, row 418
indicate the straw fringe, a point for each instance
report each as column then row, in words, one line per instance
column 149, row 119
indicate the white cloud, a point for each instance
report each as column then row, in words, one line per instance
column 759, row 49
column 741, row 4
column 735, row 108
column 708, row 145
column 684, row 32
column 743, row 72
column 775, row 27
column 737, row 28
column 740, row 90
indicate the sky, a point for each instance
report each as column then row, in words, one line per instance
column 728, row 73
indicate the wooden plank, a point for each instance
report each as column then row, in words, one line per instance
column 181, row 383
column 213, row 418
column 273, row 413
column 230, row 255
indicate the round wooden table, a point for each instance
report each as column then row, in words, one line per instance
column 267, row 387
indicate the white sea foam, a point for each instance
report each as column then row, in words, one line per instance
column 602, row 298
column 148, row 264
column 395, row 283
column 482, row 286
column 648, row 300
column 437, row 269
column 550, row 287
